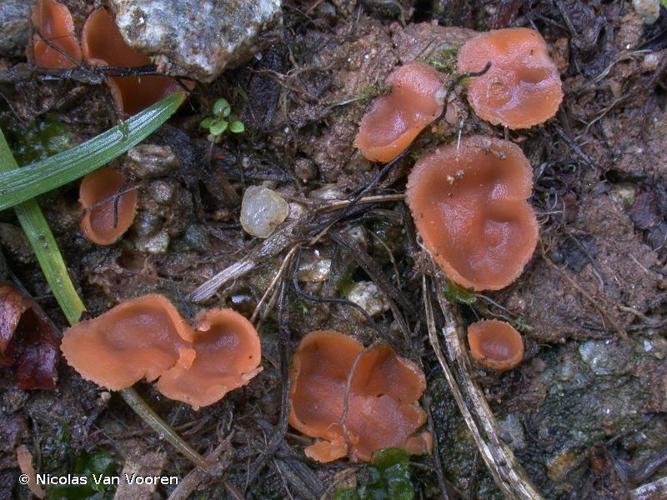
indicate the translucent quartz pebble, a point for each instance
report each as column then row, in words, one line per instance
column 262, row 211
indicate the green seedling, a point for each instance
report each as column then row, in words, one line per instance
column 221, row 121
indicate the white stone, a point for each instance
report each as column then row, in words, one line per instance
column 262, row 211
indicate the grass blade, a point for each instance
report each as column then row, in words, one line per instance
column 20, row 185
column 44, row 245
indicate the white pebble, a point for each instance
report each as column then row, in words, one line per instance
column 262, row 211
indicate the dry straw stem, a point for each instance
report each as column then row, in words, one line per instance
column 508, row 474
column 268, row 248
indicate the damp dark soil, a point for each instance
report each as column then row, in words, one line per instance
column 585, row 413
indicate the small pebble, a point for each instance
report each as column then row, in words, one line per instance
column 314, row 269
column 305, row 169
column 648, row 10
column 158, row 243
column 161, row 191
column 651, row 62
column 197, row 238
column 368, row 296
column 147, row 223
column 151, row 160
column 262, row 211
column 623, row 194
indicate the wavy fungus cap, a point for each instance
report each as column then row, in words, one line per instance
column 138, row 339
column 146, row 338
column 227, row 354
column 468, row 201
column 103, row 45
column 109, row 207
column 54, row 45
column 522, row 87
column 382, row 407
column 395, row 120
column 495, row 344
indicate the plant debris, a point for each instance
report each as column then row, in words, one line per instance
column 27, row 341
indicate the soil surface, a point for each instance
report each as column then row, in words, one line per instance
column 586, row 411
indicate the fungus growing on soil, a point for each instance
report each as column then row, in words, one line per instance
column 27, row 341
column 395, row 120
column 355, row 400
column 109, row 206
column 495, row 344
column 469, row 203
column 226, row 354
column 103, row 45
column 522, row 87
column 146, row 338
column 54, row 44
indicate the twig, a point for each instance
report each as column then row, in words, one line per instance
column 196, row 476
column 381, row 198
column 506, row 471
column 161, row 427
column 574, row 146
column 286, row 261
column 650, row 491
column 268, row 248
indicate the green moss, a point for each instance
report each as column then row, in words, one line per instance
column 90, row 470
column 370, row 91
column 41, row 139
column 455, row 293
column 389, row 477
column 444, row 61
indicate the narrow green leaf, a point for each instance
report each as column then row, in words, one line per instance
column 25, row 183
column 44, row 245
column 236, row 127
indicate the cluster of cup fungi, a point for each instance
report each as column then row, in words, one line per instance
column 468, row 198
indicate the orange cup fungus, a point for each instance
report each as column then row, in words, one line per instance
column 522, row 87
column 469, row 203
column 355, row 400
column 54, row 45
column 146, row 338
column 103, row 45
column 395, row 120
column 495, row 344
column 109, row 207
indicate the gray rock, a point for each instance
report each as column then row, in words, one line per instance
column 648, row 10
column 151, row 160
column 197, row 38
column 14, row 26
column 511, row 431
column 605, row 357
column 197, row 238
